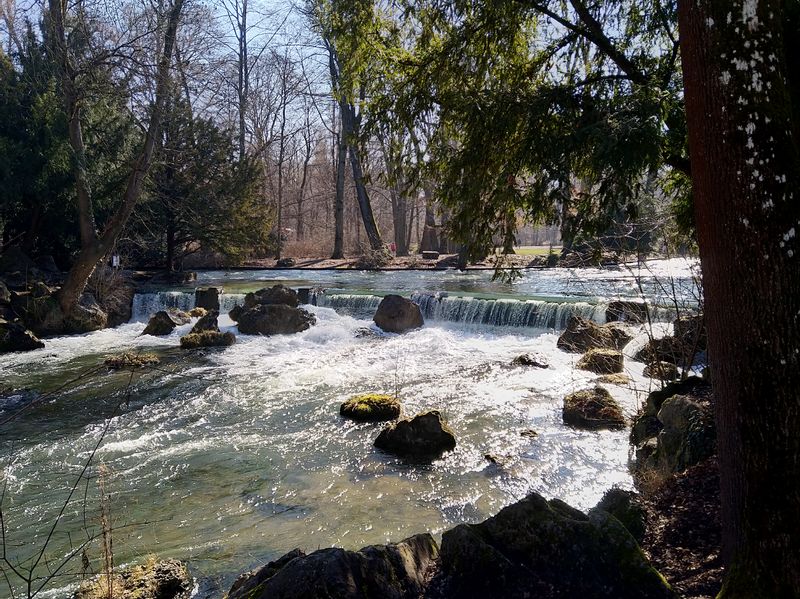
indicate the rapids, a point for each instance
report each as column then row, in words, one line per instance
column 228, row 458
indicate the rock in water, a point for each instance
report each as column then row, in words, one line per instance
column 534, row 360
column 274, row 319
column 626, row 311
column 601, row 361
column 663, row 371
column 275, row 295
column 540, row 548
column 371, row 407
column 235, row 313
column 168, row 579
column 425, row 436
column 14, row 337
column 207, row 322
column 207, row 297
column 581, row 335
column 207, row 339
column 393, row 571
column 161, row 323
column 592, row 409
column 397, row 314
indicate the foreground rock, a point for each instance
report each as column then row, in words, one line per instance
column 601, row 361
column 539, row 548
column 581, row 335
column 14, row 338
column 592, row 409
column 168, row 579
column 391, row 571
column 274, row 319
column 397, row 314
column 626, row 507
column 372, row 407
column 646, row 425
column 207, row 339
column 425, row 436
column 687, row 436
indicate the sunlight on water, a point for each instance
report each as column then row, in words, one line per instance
column 227, row 458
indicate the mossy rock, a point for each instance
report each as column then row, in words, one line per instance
column 371, row 407
column 626, row 507
column 207, row 339
column 197, row 312
column 131, row 360
column 663, row 371
column 602, row 361
column 592, row 409
column 615, row 379
column 167, row 579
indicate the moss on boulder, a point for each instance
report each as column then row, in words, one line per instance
column 131, row 360
column 207, row 339
column 371, row 407
column 602, row 361
column 581, row 335
column 592, row 409
column 167, row 579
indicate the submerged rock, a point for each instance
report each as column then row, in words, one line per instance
column 534, row 360
column 207, row 322
column 393, row 571
column 131, row 360
column 275, row 295
column 397, row 314
column 663, row 371
column 371, row 407
column 14, row 337
column 424, row 436
column 274, row 319
column 168, row 579
column 161, row 323
column 601, row 361
column 592, row 409
column 540, row 548
column 207, row 339
column 581, row 335
column 207, row 297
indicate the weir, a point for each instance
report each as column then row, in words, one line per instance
column 435, row 307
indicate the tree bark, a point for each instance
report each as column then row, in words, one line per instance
column 93, row 246
column 430, row 239
column 338, row 203
column 740, row 92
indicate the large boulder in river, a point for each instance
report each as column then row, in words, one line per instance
column 207, row 322
column 162, row 323
column 168, row 579
column 393, row 571
column 207, row 297
column 425, row 436
column 592, row 409
column 397, row 314
column 540, row 548
column 581, row 335
column 275, row 295
column 601, row 361
column 371, row 407
column 275, row 319
column 15, row 337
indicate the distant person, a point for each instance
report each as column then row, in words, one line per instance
column 393, row 247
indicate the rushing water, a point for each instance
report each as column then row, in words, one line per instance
column 229, row 457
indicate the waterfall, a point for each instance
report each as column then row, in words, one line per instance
column 147, row 304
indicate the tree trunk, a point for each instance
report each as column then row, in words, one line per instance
column 94, row 247
column 399, row 220
column 338, row 204
column 746, row 173
column 430, row 239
